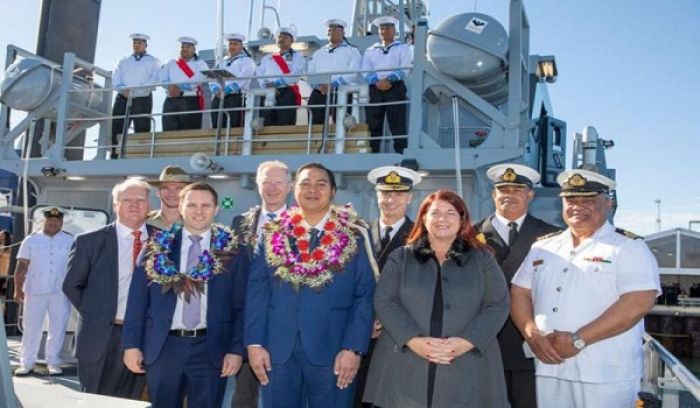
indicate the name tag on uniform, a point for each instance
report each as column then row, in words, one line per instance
column 537, row 262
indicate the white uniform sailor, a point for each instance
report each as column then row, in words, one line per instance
column 139, row 68
column 282, row 67
column 579, row 296
column 335, row 56
column 183, row 78
column 41, row 267
column 242, row 67
column 387, row 83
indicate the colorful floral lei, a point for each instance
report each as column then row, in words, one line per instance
column 162, row 270
column 288, row 248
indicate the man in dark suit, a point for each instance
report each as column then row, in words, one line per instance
column 308, row 322
column 394, row 187
column 510, row 231
column 274, row 184
column 100, row 268
column 188, row 342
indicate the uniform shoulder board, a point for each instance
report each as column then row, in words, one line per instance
column 66, row 232
column 628, row 234
column 550, row 235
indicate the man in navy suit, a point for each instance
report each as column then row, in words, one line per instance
column 187, row 347
column 306, row 332
column 100, row 268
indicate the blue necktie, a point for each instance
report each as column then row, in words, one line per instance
column 313, row 238
column 191, row 310
column 271, row 216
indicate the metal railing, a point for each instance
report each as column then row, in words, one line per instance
column 666, row 376
column 76, row 118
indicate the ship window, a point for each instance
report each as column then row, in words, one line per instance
column 664, row 249
column 690, row 252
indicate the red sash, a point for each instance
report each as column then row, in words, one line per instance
column 285, row 70
column 188, row 71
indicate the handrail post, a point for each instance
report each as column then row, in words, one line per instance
column 458, row 145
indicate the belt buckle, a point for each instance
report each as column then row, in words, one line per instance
column 192, row 333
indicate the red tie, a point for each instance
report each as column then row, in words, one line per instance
column 137, row 246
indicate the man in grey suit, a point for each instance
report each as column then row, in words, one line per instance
column 274, row 185
column 100, row 266
column 510, row 232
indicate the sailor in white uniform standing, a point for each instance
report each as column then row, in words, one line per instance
column 41, row 267
column 387, row 83
column 285, row 63
column 335, row 56
column 184, row 97
column 241, row 66
column 139, row 68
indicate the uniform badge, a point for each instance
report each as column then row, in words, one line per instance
column 597, row 259
column 538, row 262
column 510, row 175
column 577, row 180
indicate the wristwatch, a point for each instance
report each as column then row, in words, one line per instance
column 355, row 352
column 578, row 342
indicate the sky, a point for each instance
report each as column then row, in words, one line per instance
column 630, row 68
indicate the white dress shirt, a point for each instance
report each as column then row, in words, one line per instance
column 125, row 245
column 378, row 59
column 343, row 57
column 394, row 228
column 48, row 262
column 132, row 70
column 263, row 219
column 500, row 224
column 184, row 249
column 240, row 66
column 171, row 73
column 295, row 61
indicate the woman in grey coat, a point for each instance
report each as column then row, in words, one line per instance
column 442, row 300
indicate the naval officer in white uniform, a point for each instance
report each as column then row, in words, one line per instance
column 337, row 55
column 242, row 67
column 39, row 273
column 138, row 68
column 185, row 94
column 387, row 83
column 579, row 298
column 285, row 65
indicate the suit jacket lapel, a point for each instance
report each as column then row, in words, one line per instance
column 111, row 253
column 376, row 239
column 494, row 239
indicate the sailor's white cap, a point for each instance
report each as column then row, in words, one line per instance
column 384, row 20
column 188, row 40
column 393, row 178
column 139, row 36
column 235, row 37
column 290, row 31
column 512, row 174
column 580, row 182
column 336, row 22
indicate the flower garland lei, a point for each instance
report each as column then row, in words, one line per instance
column 161, row 269
column 288, row 248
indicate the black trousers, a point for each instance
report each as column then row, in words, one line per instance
column 521, row 389
column 231, row 101
column 361, row 378
column 281, row 117
column 317, row 98
column 396, row 115
column 247, row 385
column 109, row 375
column 141, row 105
column 183, row 121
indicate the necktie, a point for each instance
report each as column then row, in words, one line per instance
column 313, row 238
column 513, row 233
column 136, row 247
column 271, row 216
column 386, row 238
column 191, row 309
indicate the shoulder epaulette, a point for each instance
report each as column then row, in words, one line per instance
column 628, row 234
column 66, row 232
column 550, row 235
